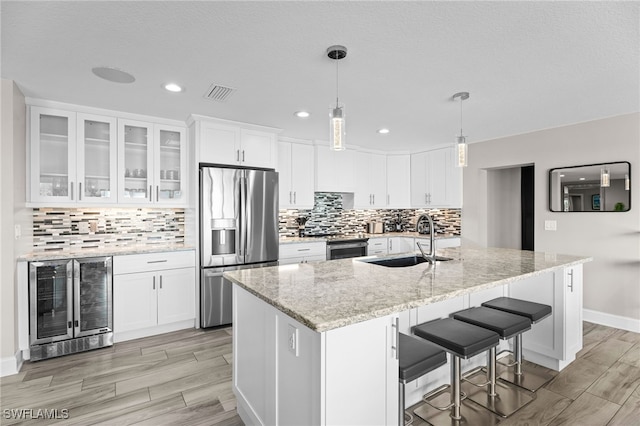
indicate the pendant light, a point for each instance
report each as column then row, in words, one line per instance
column 337, row 131
column 605, row 177
column 461, row 141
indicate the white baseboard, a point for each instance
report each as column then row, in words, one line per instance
column 11, row 365
column 609, row 320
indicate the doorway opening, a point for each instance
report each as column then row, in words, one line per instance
column 511, row 207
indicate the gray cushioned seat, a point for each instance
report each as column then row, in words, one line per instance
column 460, row 338
column 418, row 357
column 505, row 324
column 534, row 311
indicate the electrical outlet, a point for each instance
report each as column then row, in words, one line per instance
column 550, row 225
column 292, row 339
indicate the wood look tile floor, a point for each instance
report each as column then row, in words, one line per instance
column 184, row 378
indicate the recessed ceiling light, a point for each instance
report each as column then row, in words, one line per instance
column 173, row 87
column 582, row 179
column 302, row 114
column 383, row 131
column 113, row 74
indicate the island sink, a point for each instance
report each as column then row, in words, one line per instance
column 401, row 262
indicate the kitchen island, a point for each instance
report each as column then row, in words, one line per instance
column 315, row 343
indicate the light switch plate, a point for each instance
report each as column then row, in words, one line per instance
column 292, row 339
column 550, row 225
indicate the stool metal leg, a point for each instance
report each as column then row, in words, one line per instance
column 529, row 380
column 498, row 398
column 455, row 388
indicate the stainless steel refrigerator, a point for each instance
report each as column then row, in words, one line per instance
column 238, row 229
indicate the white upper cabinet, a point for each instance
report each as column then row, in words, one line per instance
column 97, row 159
column 334, row 170
column 233, row 145
column 170, row 165
column 370, row 180
column 398, row 181
column 296, row 172
column 435, row 181
column 152, row 163
column 81, row 158
column 72, row 157
column 135, row 162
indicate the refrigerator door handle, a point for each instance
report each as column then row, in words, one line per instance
column 242, row 223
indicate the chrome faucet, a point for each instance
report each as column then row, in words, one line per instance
column 431, row 256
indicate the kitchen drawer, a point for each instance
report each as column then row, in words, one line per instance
column 153, row 261
column 303, row 250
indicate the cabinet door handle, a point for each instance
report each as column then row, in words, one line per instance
column 157, row 261
column 71, row 190
column 396, row 325
column 390, row 244
column 150, row 193
column 294, row 197
column 160, row 282
column 289, row 197
column 373, row 197
column 243, row 155
column 570, row 273
column 425, row 198
column 79, row 190
column 237, row 155
column 305, row 249
column 154, row 283
column 388, row 199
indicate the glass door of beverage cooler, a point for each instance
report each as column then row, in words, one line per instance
column 92, row 282
column 51, row 295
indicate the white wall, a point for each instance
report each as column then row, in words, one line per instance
column 613, row 239
column 12, row 212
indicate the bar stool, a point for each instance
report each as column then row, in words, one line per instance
column 499, row 398
column 462, row 341
column 417, row 357
column 535, row 312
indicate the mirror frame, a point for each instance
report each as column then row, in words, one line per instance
column 550, row 188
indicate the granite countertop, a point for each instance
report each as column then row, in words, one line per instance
column 337, row 293
column 293, row 240
column 108, row 251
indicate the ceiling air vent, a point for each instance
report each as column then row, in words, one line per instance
column 219, row 93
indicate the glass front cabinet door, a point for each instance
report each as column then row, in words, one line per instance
column 170, row 165
column 135, row 159
column 97, row 159
column 53, row 155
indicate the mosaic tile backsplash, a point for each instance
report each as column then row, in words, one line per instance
column 329, row 216
column 57, row 229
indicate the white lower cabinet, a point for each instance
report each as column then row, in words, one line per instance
column 377, row 246
column 153, row 293
column 401, row 245
column 554, row 341
column 286, row 373
column 302, row 252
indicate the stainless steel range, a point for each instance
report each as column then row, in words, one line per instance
column 343, row 246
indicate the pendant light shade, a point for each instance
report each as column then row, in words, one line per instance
column 605, row 177
column 461, row 141
column 337, row 123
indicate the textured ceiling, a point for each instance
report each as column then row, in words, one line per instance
column 527, row 65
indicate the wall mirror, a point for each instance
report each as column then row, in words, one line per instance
column 602, row 187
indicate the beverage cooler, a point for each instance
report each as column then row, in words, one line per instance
column 70, row 306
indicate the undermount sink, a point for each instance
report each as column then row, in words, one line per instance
column 401, row 262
